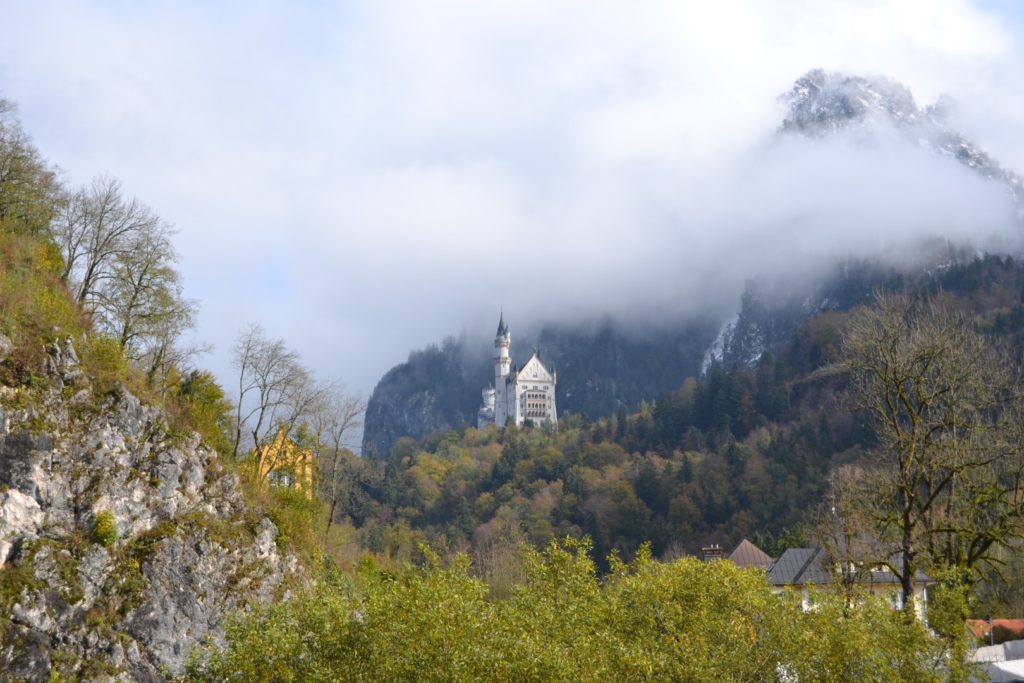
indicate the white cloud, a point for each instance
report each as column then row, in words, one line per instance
column 361, row 177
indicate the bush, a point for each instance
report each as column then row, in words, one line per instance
column 298, row 519
column 103, row 358
column 104, row 529
column 34, row 306
column 206, row 409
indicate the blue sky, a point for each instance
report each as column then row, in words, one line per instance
column 365, row 178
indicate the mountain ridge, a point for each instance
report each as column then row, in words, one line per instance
column 437, row 388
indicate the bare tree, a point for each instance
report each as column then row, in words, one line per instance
column 141, row 302
column 945, row 477
column 97, row 226
column 120, row 266
column 845, row 525
column 275, row 391
column 341, row 418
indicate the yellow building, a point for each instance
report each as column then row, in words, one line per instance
column 282, row 463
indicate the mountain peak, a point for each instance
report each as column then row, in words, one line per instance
column 822, row 103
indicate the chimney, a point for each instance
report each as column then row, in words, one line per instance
column 712, row 552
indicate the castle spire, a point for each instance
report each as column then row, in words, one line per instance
column 502, row 327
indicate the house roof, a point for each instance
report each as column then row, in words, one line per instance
column 981, row 627
column 802, row 566
column 747, row 554
column 799, row 566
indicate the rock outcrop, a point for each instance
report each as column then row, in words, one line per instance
column 123, row 544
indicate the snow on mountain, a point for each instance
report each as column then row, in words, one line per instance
column 822, row 103
column 716, row 352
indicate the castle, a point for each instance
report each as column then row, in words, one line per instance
column 517, row 395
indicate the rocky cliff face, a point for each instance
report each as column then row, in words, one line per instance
column 122, row 543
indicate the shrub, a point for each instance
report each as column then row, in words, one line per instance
column 206, row 409
column 104, row 360
column 297, row 517
column 104, row 529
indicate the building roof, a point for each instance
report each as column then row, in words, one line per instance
column 502, row 327
column 980, row 627
column 534, row 370
column 799, row 566
column 747, row 554
column 802, row 566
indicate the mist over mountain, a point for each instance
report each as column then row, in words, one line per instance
column 858, row 184
column 822, row 103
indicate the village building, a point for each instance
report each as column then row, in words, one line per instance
column 807, row 569
column 517, row 395
column 282, row 462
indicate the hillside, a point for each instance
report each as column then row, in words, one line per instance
column 123, row 541
column 745, row 451
column 125, row 538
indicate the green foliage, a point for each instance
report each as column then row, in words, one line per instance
column 29, row 190
column 686, row 621
column 104, row 528
column 34, row 307
column 297, row 516
column 14, row 580
column 949, row 606
column 105, row 361
column 207, row 409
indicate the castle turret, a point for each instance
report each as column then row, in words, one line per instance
column 485, row 416
column 502, row 367
column 502, row 359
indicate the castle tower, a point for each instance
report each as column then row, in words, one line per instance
column 502, row 368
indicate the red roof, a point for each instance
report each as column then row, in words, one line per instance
column 980, row 627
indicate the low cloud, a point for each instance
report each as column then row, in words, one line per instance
column 366, row 178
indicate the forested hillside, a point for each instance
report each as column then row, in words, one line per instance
column 464, row 534
column 745, row 451
column 601, row 366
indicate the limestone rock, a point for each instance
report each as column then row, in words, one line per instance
column 20, row 519
column 187, row 550
column 6, row 347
